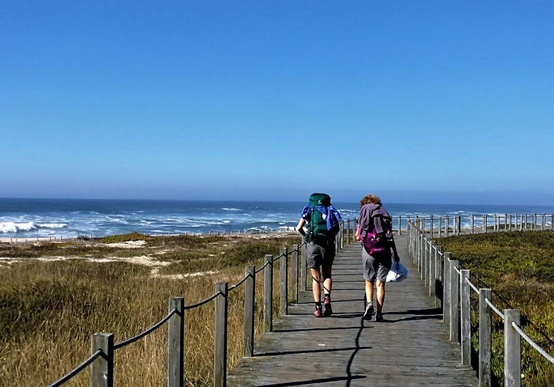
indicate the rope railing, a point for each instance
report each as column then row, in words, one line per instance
column 243, row 280
column 262, row 268
column 456, row 298
column 102, row 358
column 494, row 308
column 475, row 288
column 77, row 369
column 203, row 302
column 545, row 354
column 146, row 332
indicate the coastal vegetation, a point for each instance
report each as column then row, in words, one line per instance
column 55, row 295
column 519, row 267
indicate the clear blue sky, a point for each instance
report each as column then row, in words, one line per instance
column 416, row 101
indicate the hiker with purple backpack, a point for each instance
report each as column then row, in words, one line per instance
column 375, row 232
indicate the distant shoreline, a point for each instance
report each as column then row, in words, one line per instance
column 266, row 234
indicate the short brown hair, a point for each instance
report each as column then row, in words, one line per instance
column 370, row 199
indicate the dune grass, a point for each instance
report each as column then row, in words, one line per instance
column 50, row 309
column 519, row 267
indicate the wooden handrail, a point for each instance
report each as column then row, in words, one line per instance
column 456, row 285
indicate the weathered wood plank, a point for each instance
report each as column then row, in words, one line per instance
column 410, row 348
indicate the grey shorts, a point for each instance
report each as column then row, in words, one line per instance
column 376, row 267
column 320, row 254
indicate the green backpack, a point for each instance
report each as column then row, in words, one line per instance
column 317, row 228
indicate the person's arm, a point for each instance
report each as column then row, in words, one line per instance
column 395, row 253
column 300, row 226
column 363, row 222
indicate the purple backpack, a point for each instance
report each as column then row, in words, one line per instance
column 379, row 235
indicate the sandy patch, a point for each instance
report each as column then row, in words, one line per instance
column 127, row 245
column 138, row 260
column 154, row 273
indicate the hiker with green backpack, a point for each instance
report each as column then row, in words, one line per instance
column 323, row 223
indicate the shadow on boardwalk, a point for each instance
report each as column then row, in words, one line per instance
column 409, row 348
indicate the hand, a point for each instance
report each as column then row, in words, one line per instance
column 396, row 258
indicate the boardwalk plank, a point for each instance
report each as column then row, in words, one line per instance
column 409, row 348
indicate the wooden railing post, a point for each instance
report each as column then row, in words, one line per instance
column 431, row 271
column 249, row 305
column 465, row 313
column 512, row 349
column 102, row 366
column 284, row 281
column 417, row 243
column 347, row 232
column 485, row 338
column 422, row 256
column 220, row 348
column 454, row 301
column 294, row 278
column 303, row 265
column 437, row 276
column 399, row 224
column 459, row 224
column 337, row 238
column 431, row 227
column 268, row 293
column 485, row 223
column 175, row 342
column 446, row 288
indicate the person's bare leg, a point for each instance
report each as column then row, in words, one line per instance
column 316, row 285
column 369, row 291
column 327, row 285
column 380, row 295
column 368, row 312
column 328, row 282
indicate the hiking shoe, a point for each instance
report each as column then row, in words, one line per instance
column 368, row 311
column 327, row 303
column 317, row 312
column 379, row 317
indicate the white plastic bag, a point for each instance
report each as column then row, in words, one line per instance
column 397, row 273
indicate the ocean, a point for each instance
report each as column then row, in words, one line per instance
column 71, row 218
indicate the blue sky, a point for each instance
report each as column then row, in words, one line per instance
column 416, row 101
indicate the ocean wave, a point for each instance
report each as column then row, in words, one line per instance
column 101, row 218
column 52, row 225
column 286, row 228
column 13, row 227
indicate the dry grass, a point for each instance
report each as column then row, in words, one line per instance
column 49, row 309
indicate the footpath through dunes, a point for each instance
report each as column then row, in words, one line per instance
column 410, row 348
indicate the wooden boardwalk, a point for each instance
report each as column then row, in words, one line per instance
column 409, row 348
